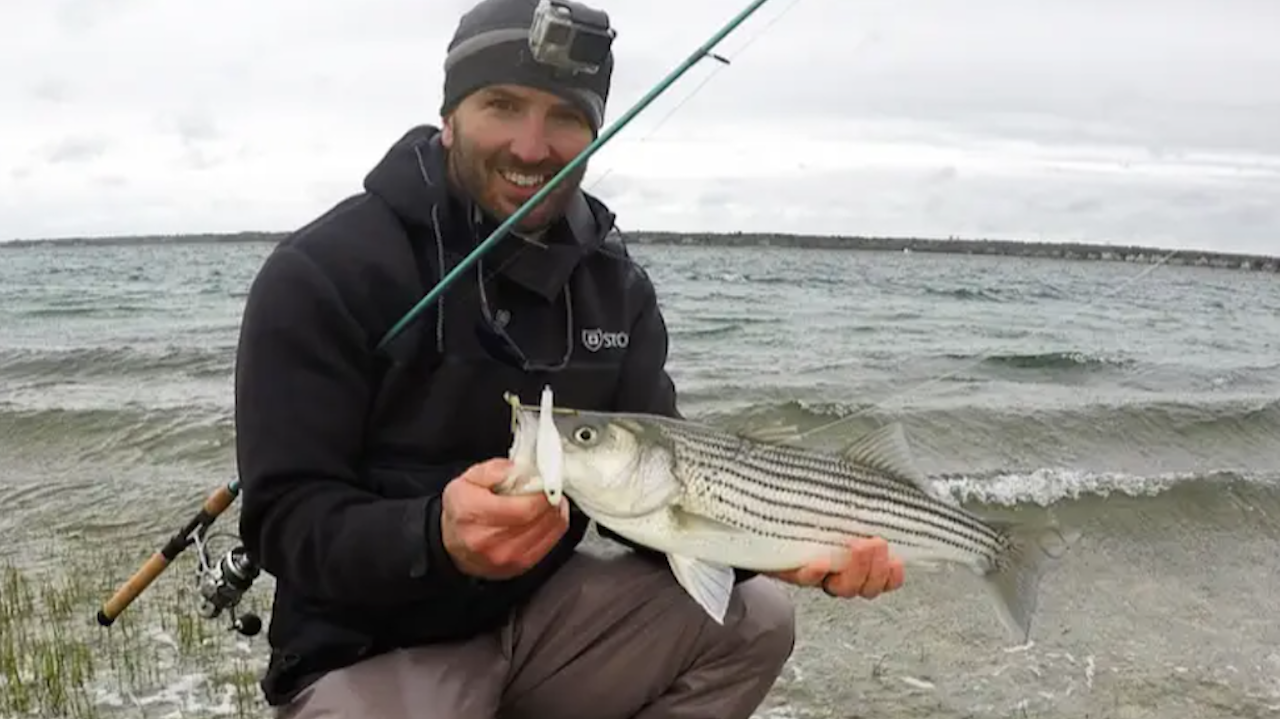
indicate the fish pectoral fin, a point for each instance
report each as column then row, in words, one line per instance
column 710, row 584
column 886, row 449
column 658, row 493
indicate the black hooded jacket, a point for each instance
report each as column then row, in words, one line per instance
column 343, row 450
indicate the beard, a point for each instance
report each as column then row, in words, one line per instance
column 478, row 175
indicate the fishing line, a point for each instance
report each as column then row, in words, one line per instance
column 723, row 63
column 982, row 357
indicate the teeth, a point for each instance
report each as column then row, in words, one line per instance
column 523, row 180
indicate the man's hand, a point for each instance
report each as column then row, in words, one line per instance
column 868, row 572
column 493, row 536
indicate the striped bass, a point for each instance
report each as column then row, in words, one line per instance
column 713, row 500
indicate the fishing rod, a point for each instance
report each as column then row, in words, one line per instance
column 221, row 583
column 562, row 33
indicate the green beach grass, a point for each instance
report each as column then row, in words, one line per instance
column 160, row 658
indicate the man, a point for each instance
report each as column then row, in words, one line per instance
column 404, row 586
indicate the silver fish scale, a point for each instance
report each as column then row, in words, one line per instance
column 793, row 493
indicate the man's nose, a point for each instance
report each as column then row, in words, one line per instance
column 530, row 143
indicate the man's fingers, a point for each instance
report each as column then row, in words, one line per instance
column 877, row 572
column 488, row 474
column 897, row 575
column 553, row 521
column 866, row 569
column 849, row 580
column 867, row 574
column 548, row 521
column 810, row 575
column 538, row 542
column 511, row 511
column 514, row 550
column 482, row 506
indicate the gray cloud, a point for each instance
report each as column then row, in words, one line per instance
column 76, row 149
column 78, row 16
column 198, row 134
column 1143, row 121
column 52, row 90
column 1165, row 75
column 196, row 127
column 1105, row 208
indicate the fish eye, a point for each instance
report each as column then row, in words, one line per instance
column 585, row 434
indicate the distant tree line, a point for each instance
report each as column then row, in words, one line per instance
column 957, row 246
column 906, row 245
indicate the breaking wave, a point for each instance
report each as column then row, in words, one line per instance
column 1109, row 440
column 1052, row 361
column 120, row 361
column 1224, row 419
column 202, row 436
column 1053, row 486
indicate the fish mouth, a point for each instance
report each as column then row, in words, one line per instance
column 517, row 484
column 523, row 476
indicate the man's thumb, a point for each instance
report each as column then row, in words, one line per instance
column 488, row 474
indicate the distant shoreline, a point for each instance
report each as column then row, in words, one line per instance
column 905, row 245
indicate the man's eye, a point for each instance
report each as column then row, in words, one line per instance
column 568, row 119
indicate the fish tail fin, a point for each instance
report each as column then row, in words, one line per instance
column 1014, row 575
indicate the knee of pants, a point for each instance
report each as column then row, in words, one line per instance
column 768, row 622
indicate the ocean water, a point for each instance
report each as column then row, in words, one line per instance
column 1140, row 405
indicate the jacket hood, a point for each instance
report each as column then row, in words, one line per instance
column 411, row 176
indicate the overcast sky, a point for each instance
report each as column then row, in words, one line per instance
column 1144, row 121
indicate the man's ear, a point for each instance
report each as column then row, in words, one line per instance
column 446, row 131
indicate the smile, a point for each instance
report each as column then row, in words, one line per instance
column 522, row 180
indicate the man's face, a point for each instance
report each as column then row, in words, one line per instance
column 505, row 142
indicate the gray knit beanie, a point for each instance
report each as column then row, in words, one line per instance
column 491, row 46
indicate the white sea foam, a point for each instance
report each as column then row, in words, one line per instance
column 1048, row 486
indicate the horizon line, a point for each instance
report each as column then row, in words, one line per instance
column 640, row 236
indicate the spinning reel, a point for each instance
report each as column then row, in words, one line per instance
column 221, row 583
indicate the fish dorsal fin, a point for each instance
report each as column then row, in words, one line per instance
column 886, row 449
column 777, row 434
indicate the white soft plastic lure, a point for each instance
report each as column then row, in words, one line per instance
column 549, row 451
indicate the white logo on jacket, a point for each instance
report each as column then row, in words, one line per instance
column 596, row 339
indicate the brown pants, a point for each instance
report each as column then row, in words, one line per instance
column 603, row 639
